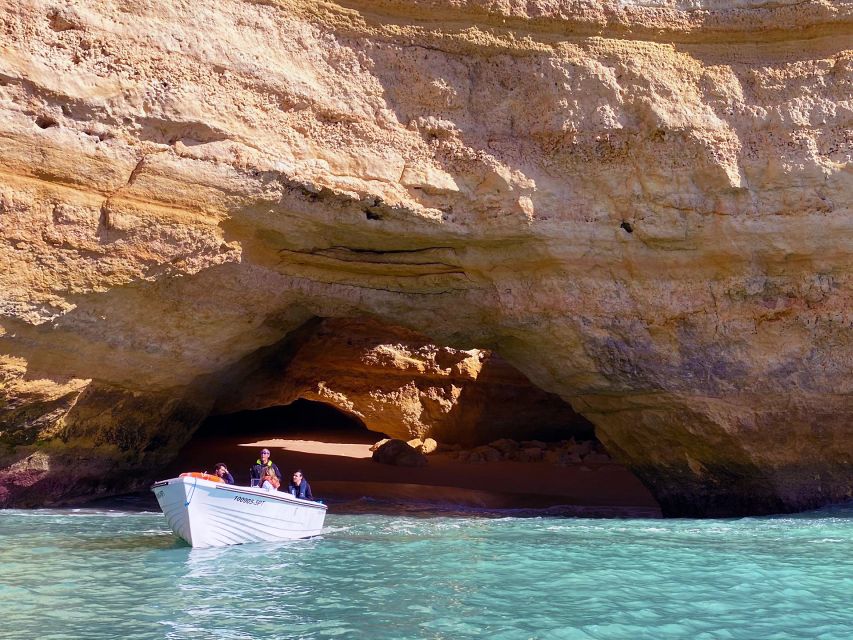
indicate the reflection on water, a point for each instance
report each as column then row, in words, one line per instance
column 110, row 574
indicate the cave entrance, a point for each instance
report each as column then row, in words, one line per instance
column 294, row 433
column 329, row 390
column 301, row 417
column 333, row 449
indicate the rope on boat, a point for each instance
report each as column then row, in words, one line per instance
column 192, row 493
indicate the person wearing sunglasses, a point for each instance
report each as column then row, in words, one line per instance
column 263, row 462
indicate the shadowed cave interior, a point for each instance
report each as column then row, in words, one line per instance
column 235, row 438
column 332, row 447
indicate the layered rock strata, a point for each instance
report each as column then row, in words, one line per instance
column 644, row 206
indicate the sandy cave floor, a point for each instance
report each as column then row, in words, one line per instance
column 339, row 466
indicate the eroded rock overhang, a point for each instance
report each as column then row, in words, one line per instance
column 644, row 207
column 394, row 381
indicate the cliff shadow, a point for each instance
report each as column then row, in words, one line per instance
column 504, row 403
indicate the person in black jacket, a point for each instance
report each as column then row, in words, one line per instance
column 299, row 487
column 222, row 471
column 263, row 461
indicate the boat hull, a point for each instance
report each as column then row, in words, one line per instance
column 212, row 514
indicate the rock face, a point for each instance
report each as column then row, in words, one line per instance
column 399, row 454
column 394, row 381
column 643, row 206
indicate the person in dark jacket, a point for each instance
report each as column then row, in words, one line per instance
column 222, row 471
column 263, row 461
column 299, row 487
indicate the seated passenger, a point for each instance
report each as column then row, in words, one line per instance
column 222, row 471
column 299, row 487
column 269, row 480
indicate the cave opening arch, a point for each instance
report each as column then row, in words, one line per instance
column 299, row 417
column 294, row 432
column 320, row 398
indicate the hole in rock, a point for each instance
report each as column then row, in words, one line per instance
column 46, row 122
column 627, row 227
column 333, row 449
column 302, row 429
column 100, row 135
column 502, row 442
column 59, row 22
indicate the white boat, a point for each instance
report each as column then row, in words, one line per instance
column 208, row 513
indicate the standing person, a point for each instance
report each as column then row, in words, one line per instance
column 263, row 461
column 269, row 480
column 222, row 471
column 299, row 487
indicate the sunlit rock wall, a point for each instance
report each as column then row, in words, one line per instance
column 396, row 382
column 645, row 207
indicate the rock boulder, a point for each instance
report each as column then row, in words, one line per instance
column 399, row 454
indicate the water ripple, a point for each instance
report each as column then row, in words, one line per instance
column 110, row 574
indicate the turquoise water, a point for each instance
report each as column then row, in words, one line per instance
column 120, row 574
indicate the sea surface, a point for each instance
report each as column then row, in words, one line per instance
column 115, row 573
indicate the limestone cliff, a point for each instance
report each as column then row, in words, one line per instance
column 395, row 381
column 644, row 206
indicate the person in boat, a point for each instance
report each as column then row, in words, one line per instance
column 269, row 480
column 299, row 487
column 222, row 471
column 262, row 463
